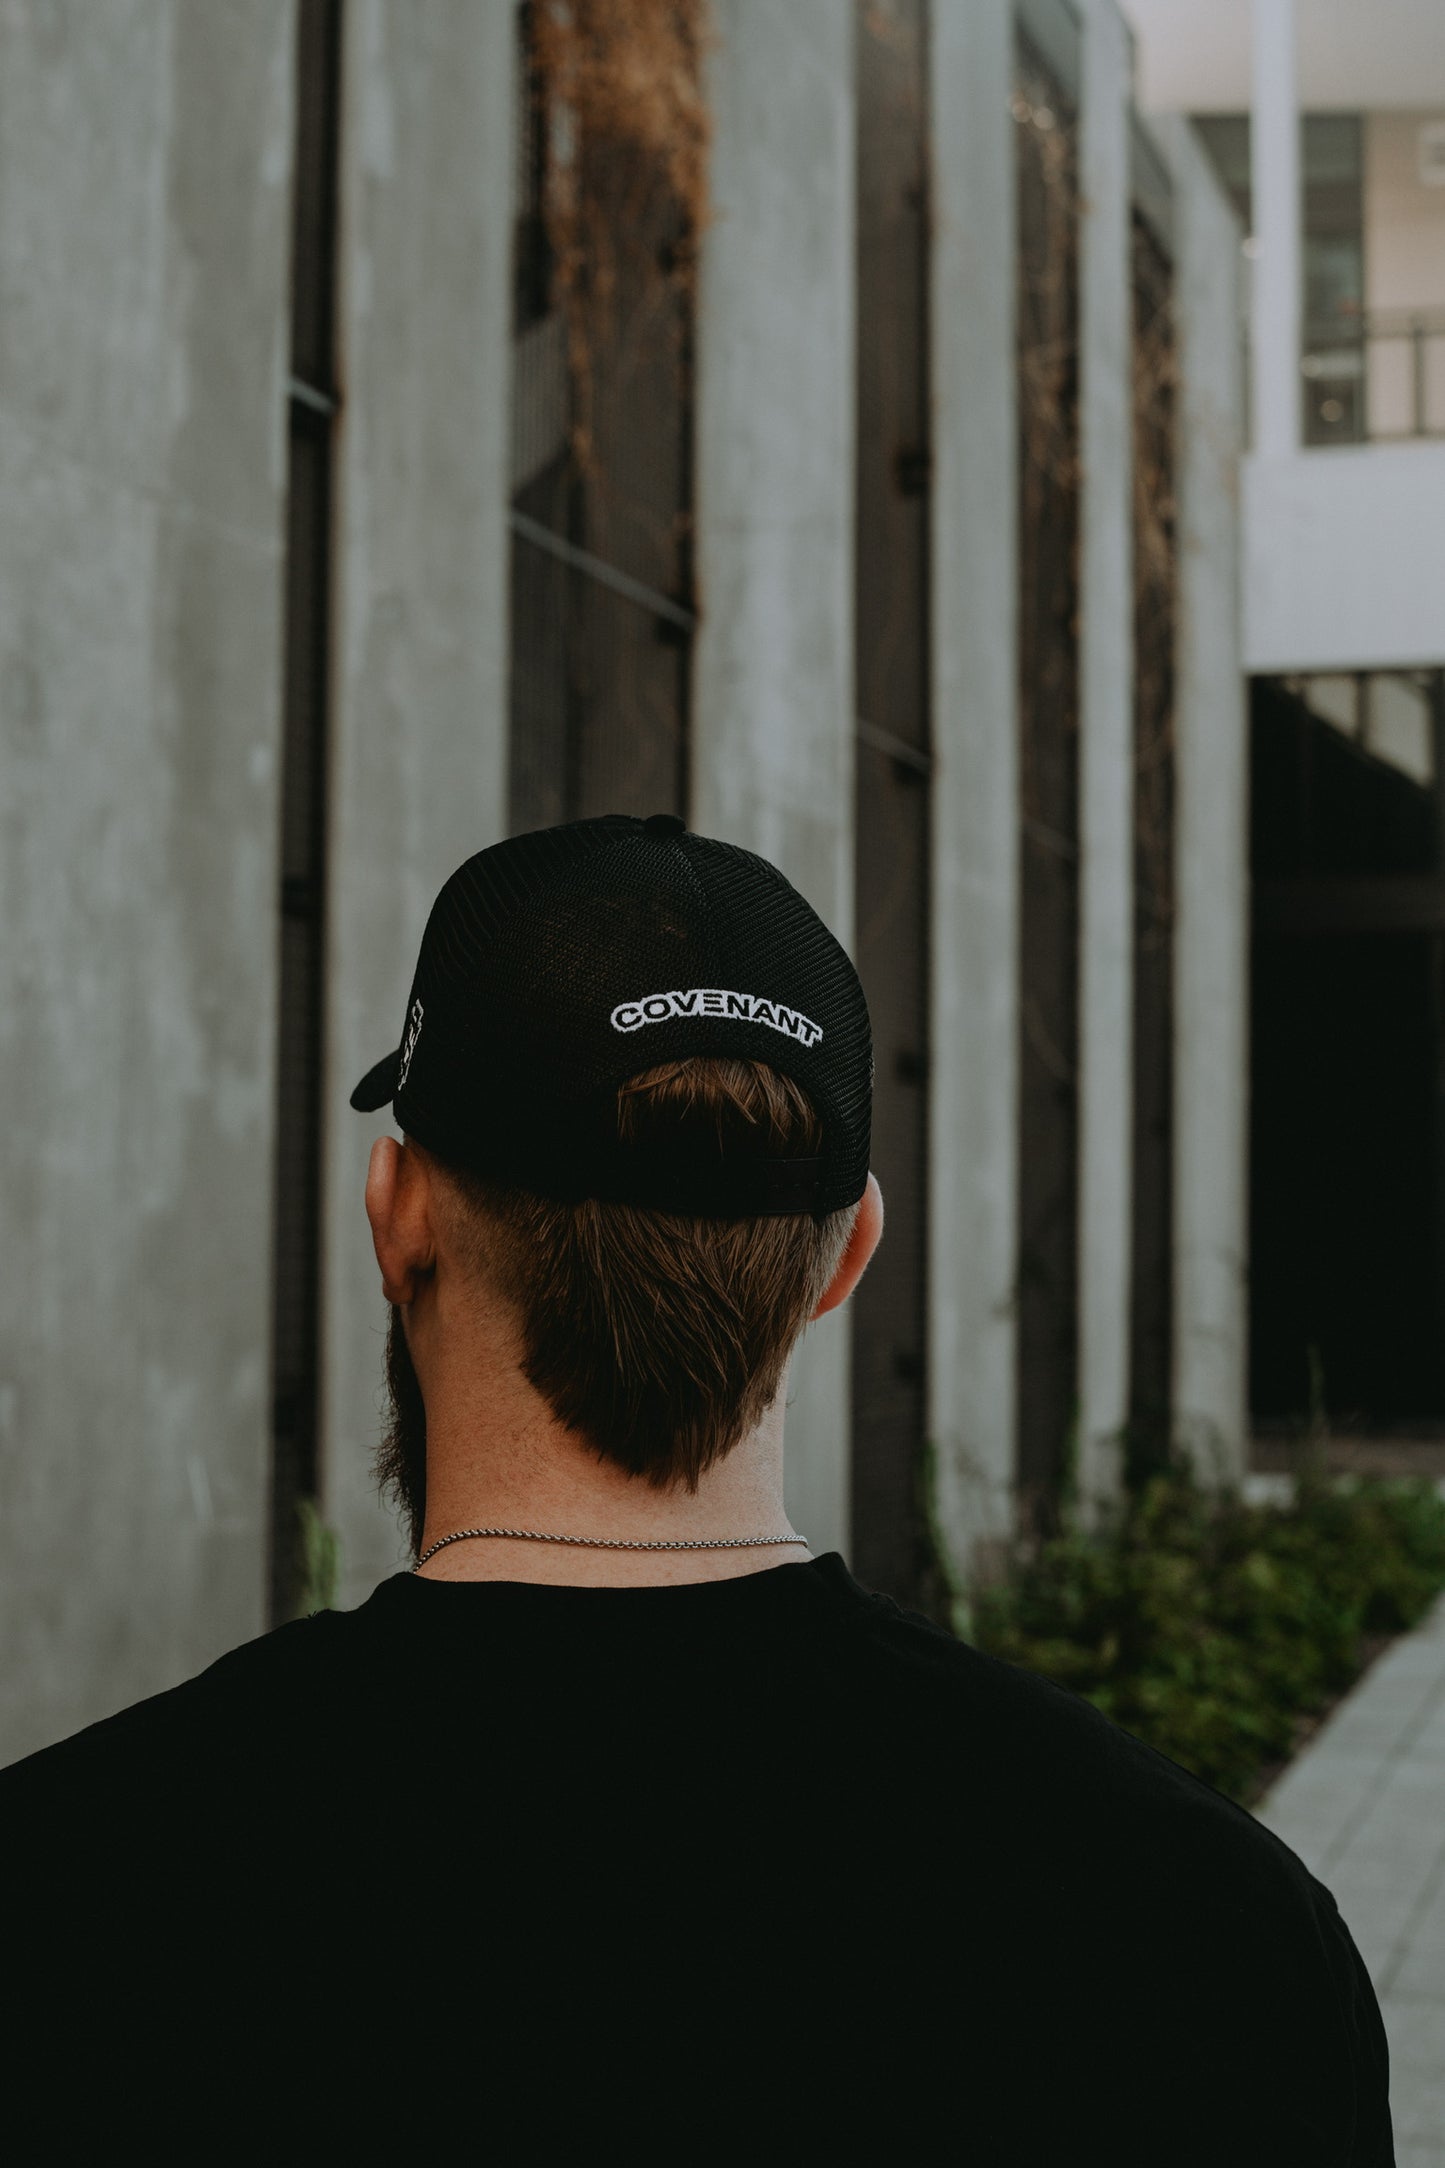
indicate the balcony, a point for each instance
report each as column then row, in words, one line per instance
column 1376, row 378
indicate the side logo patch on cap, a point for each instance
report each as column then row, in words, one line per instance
column 716, row 1001
column 413, row 1033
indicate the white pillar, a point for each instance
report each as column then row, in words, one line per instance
column 419, row 698
column 973, row 1138
column 772, row 754
column 1211, row 1053
column 1275, row 191
column 1106, row 754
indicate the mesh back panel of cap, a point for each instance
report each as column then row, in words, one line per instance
column 534, row 946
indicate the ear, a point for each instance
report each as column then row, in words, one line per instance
column 398, row 1205
column 864, row 1240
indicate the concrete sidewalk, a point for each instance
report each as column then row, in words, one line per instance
column 1364, row 1807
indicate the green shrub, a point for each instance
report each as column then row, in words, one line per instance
column 1216, row 1630
column 321, row 1560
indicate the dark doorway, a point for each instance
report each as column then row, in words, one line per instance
column 1348, row 1060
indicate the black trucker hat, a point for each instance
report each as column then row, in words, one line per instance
column 556, row 965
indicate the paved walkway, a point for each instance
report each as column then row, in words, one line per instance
column 1364, row 1807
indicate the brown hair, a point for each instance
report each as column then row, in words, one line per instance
column 658, row 1339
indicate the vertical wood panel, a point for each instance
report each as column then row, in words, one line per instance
column 891, row 1543
column 1049, row 780
column 1155, row 577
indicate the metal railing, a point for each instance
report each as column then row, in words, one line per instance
column 1375, row 379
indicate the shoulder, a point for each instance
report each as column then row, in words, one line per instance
column 209, row 1719
column 1197, row 1918
column 1067, row 1773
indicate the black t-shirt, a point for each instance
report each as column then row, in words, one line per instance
column 759, row 1868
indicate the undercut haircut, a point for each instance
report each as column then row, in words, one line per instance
column 659, row 1340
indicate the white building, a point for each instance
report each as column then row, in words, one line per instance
column 1329, row 124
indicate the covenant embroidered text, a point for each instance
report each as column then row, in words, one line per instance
column 716, row 1001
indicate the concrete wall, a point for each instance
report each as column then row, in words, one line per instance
column 1211, row 1055
column 773, row 677
column 973, row 1143
column 1106, row 753
column 419, row 695
column 1345, row 558
column 145, row 152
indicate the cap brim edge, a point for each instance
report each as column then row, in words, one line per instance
column 378, row 1087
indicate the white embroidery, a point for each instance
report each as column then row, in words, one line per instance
column 413, row 1033
column 717, row 1001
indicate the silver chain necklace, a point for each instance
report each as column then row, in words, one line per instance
column 607, row 1543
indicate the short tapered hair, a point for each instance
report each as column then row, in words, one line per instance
column 660, row 1340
